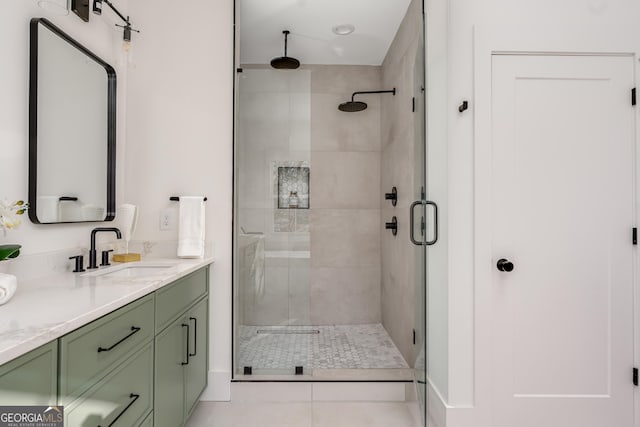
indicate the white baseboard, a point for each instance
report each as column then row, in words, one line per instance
column 219, row 388
column 436, row 407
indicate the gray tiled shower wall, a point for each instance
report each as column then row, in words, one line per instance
column 281, row 125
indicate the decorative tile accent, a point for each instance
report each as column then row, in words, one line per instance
column 335, row 347
column 293, row 187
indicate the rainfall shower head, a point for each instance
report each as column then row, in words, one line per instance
column 285, row 62
column 355, row 106
column 352, row 106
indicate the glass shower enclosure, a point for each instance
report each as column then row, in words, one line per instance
column 272, row 236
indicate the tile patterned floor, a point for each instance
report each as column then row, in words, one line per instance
column 334, row 347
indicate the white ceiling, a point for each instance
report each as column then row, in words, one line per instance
column 311, row 21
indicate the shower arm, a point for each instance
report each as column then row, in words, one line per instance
column 393, row 91
column 286, row 35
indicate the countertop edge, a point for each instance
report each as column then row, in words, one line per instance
column 57, row 330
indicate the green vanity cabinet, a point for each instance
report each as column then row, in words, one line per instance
column 173, row 300
column 89, row 353
column 181, row 356
column 196, row 371
column 31, row 379
column 142, row 365
column 148, row 422
column 169, row 374
column 123, row 398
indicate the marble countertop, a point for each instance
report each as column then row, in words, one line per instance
column 48, row 307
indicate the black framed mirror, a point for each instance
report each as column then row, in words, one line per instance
column 72, row 130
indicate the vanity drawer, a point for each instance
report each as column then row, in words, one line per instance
column 126, row 394
column 87, row 354
column 174, row 299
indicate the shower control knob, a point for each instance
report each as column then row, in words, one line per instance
column 504, row 265
column 393, row 225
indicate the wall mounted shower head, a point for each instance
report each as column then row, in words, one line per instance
column 285, row 62
column 355, row 106
column 352, row 106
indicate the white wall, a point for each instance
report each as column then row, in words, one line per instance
column 99, row 36
column 469, row 375
column 180, row 103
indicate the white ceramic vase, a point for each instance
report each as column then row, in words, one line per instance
column 8, row 286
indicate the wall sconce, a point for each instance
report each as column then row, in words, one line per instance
column 97, row 9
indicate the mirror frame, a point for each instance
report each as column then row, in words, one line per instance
column 110, row 208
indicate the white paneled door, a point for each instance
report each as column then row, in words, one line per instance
column 562, row 219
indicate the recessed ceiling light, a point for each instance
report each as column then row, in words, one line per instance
column 343, row 29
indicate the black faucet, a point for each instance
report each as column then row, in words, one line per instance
column 93, row 261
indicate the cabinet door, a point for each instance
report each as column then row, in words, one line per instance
column 196, row 371
column 31, row 379
column 170, row 355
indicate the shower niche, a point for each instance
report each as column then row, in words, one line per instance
column 293, row 187
column 291, row 190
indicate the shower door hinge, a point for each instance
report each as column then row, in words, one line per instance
column 634, row 236
column 633, row 96
column 414, row 337
column 635, row 377
column 413, row 104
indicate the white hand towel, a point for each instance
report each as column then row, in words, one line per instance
column 191, row 227
column 257, row 266
column 8, row 286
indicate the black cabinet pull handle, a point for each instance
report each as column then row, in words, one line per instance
column 134, row 329
column 195, row 336
column 132, row 396
column 187, row 362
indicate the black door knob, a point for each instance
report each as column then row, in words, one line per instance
column 504, row 265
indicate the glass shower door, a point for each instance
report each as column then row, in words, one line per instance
column 422, row 232
column 272, row 238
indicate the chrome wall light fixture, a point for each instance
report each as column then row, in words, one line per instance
column 97, row 9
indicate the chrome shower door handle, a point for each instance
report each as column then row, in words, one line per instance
column 424, row 242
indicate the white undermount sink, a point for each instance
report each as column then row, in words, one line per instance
column 132, row 270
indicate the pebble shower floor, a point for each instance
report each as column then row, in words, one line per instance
column 334, row 347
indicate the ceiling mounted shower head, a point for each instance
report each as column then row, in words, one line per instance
column 285, row 62
column 354, row 106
